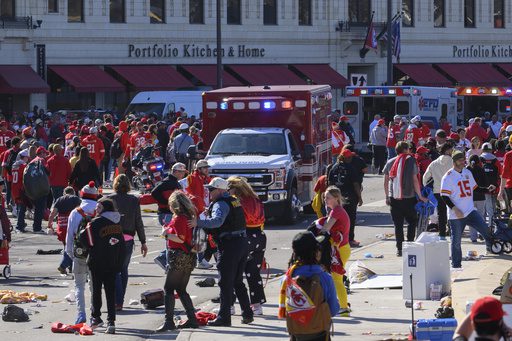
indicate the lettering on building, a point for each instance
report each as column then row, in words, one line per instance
column 482, row 51
column 194, row 51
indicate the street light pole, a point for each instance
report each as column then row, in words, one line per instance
column 219, row 46
column 389, row 79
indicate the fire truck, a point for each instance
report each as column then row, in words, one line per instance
column 475, row 101
column 276, row 137
column 361, row 104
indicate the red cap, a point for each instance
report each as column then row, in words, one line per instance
column 123, row 125
column 344, row 118
column 84, row 130
column 144, row 120
column 109, row 126
column 347, row 153
column 41, row 150
column 27, row 131
column 421, row 150
column 381, row 121
column 487, row 309
column 455, row 136
column 3, row 124
column 72, row 127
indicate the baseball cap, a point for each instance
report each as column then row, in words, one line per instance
column 306, row 241
column 39, row 121
column 27, row 131
column 415, row 119
column 84, row 130
column 179, row 167
column 455, row 136
column 397, row 117
column 347, row 153
column 486, row 146
column 381, row 121
column 89, row 191
column 344, row 118
column 458, row 155
column 487, row 309
column 421, row 150
column 218, row 183
column 41, row 150
column 23, row 153
column 201, row 164
column 93, row 130
column 183, row 126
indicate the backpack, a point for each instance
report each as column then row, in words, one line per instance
column 80, row 250
column 11, row 159
column 115, row 149
column 307, row 312
column 13, row 313
column 35, row 180
column 491, row 171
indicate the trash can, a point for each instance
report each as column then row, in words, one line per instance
column 428, row 260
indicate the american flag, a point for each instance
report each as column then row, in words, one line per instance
column 395, row 43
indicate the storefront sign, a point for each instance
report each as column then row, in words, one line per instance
column 41, row 60
column 193, row 51
column 482, row 51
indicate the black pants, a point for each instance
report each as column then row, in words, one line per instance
column 441, row 213
column 231, row 265
column 108, row 280
column 351, row 209
column 400, row 210
column 177, row 278
column 379, row 157
column 257, row 243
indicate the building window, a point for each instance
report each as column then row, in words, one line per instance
column 469, row 13
column 270, row 12
column 359, row 11
column 234, row 12
column 499, row 14
column 75, row 11
column 117, row 11
column 408, row 13
column 305, row 14
column 196, row 12
column 157, row 11
column 7, row 9
column 438, row 13
column 53, row 6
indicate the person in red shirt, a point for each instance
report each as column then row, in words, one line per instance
column 393, row 135
column 181, row 261
column 338, row 140
column 5, row 135
column 60, row 172
column 475, row 129
column 423, row 159
column 338, row 226
column 195, row 182
column 506, row 179
column 194, row 133
column 138, row 140
column 17, row 189
column 95, row 146
column 417, row 133
column 124, row 143
column 41, row 135
column 9, row 157
column 175, row 126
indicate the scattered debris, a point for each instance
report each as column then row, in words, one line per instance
column 139, row 283
column 14, row 313
column 10, row 297
column 71, row 298
column 49, row 252
column 207, row 282
column 133, row 302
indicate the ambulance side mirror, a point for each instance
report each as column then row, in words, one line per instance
column 192, row 151
column 309, row 152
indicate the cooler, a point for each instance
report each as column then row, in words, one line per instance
column 428, row 263
column 436, row 329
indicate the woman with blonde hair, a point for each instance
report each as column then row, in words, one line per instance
column 338, row 226
column 256, row 239
column 180, row 260
column 476, row 147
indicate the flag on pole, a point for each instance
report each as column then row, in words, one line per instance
column 371, row 37
column 396, row 40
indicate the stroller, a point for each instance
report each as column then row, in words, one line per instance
column 501, row 234
column 425, row 209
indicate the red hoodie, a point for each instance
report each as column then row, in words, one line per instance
column 476, row 130
column 196, row 182
column 95, row 147
column 60, row 171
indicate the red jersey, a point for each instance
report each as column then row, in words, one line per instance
column 4, row 137
column 416, row 135
column 95, row 147
column 125, row 141
column 507, row 169
column 17, row 181
column 137, row 141
column 179, row 226
column 338, row 140
column 393, row 131
column 195, row 187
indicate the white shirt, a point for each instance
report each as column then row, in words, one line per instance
column 436, row 170
column 74, row 220
column 463, row 145
column 459, row 188
column 495, row 128
column 372, row 125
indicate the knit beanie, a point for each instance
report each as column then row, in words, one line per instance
column 89, row 191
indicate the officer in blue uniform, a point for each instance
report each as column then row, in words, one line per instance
column 226, row 220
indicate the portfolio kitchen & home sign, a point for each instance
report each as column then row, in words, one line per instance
column 192, row 51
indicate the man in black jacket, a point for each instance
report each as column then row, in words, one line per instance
column 104, row 236
column 164, row 189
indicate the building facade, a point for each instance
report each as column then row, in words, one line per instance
column 99, row 52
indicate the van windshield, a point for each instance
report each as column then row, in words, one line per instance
column 243, row 144
column 146, row 108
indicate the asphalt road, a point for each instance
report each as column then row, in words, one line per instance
column 38, row 273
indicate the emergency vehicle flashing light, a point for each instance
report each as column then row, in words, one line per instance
column 224, row 105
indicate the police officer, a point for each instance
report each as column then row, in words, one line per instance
column 226, row 220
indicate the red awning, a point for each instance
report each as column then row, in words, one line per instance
column 322, row 74
column 475, row 74
column 424, row 74
column 87, row 78
column 152, row 77
column 267, row 75
column 505, row 67
column 21, row 79
column 207, row 74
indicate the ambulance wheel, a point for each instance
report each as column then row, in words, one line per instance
column 507, row 247
column 7, row 271
column 292, row 210
column 496, row 247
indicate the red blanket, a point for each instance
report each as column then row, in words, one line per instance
column 81, row 328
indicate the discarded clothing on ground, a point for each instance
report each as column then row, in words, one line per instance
column 49, row 252
column 14, row 313
column 203, row 317
column 207, row 282
column 11, row 297
column 81, row 328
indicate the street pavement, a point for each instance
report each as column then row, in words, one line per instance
column 377, row 314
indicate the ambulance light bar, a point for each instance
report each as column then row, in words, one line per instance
column 484, row 91
column 392, row 91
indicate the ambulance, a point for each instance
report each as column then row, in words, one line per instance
column 361, row 104
column 475, row 101
column 277, row 137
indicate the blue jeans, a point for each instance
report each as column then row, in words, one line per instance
column 391, row 152
column 80, row 271
column 66, row 261
column 39, row 207
column 475, row 220
column 22, row 209
column 122, row 277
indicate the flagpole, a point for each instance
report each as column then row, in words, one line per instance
column 389, row 79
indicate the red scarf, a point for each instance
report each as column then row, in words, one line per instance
column 397, row 171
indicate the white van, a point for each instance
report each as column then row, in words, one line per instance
column 164, row 102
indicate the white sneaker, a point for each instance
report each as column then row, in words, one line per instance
column 216, row 310
column 203, row 264
column 257, row 309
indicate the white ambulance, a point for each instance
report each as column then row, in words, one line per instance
column 361, row 104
